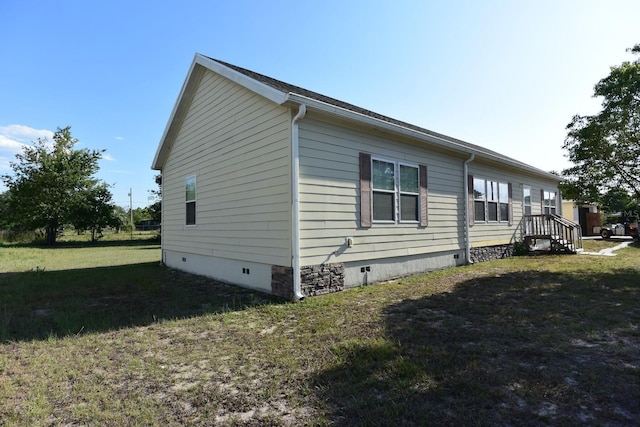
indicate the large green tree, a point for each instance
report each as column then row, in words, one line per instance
column 94, row 210
column 49, row 181
column 605, row 148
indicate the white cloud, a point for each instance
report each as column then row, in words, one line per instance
column 9, row 145
column 106, row 156
column 13, row 138
column 8, row 150
column 24, row 134
column 120, row 138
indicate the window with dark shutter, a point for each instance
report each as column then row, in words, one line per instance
column 392, row 192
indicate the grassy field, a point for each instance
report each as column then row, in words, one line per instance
column 104, row 335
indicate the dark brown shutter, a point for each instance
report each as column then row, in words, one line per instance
column 365, row 190
column 510, row 204
column 542, row 201
column 424, row 220
column 470, row 195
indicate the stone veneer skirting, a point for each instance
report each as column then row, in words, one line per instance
column 488, row 253
column 321, row 279
column 282, row 281
column 314, row 280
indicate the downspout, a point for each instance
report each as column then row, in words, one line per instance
column 295, row 199
column 467, row 237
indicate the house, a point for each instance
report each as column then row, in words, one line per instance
column 585, row 214
column 280, row 189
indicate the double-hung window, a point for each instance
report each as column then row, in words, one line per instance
column 491, row 201
column 190, row 200
column 479, row 199
column 527, row 200
column 409, row 193
column 549, row 202
column 503, row 190
column 384, row 190
column 396, row 191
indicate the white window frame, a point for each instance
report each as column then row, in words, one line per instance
column 187, row 201
column 526, row 189
column 410, row 193
column 396, row 192
column 482, row 199
column 548, row 206
column 503, row 199
column 492, row 200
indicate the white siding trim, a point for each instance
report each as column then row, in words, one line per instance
column 262, row 89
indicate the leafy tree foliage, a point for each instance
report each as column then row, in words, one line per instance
column 49, row 182
column 5, row 210
column 605, row 148
column 121, row 217
column 94, row 210
column 155, row 209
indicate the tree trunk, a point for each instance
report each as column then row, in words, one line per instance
column 51, row 234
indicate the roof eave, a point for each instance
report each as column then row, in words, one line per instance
column 163, row 146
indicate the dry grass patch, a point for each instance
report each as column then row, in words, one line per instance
column 547, row 340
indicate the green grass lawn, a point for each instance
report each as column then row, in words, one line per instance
column 104, row 335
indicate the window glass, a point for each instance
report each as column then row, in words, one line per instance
column 492, row 191
column 409, row 190
column 384, row 189
column 190, row 185
column 479, row 211
column 492, row 211
column 527, row 200
column 504, row 192
column 191, row 213
column 549, row 202
column 383, row 206
column 504, row 211
column 190, row 199
column 383, row 175
column 408, row 207
column 409, row 179
column 479, row 189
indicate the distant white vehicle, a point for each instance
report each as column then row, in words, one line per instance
column 627, row 229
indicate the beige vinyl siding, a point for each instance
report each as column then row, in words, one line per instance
column 237, row 144
column 492, row 233
column 329, row 197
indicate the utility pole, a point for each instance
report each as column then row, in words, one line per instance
column 131, row 210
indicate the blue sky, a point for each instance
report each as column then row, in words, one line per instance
column 507, row 75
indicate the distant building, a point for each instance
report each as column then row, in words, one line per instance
column 585, row 214
column 148, row 224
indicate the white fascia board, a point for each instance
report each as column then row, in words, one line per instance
column 451, row 145
column 262, row 89
column 156, row 159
